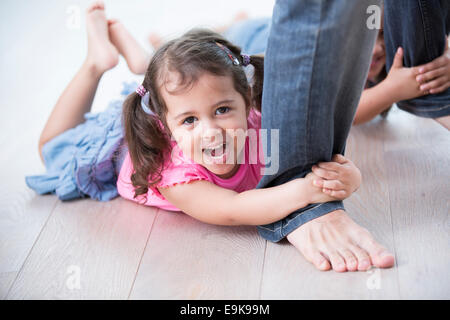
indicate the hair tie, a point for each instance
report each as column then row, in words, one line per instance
column 141, row 90
column 145, row 99
column 245, row 59
column 228, row 52
column 145, row 105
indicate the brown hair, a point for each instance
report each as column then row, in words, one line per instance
column 190, row 55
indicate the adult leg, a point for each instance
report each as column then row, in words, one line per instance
column 316, row 64
column 77, row 98
column 420, row 27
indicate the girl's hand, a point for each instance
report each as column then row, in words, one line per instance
column 315, row 194
column 434, row 76
column 401, row 82
column 339, row 178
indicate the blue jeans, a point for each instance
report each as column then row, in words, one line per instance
column 316, row 64
column 420, row 27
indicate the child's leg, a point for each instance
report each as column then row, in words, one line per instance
column 137, row 58
column 156, row 41
column 77, row 98
column 444, row 121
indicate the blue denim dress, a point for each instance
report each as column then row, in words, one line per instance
column 85, row 161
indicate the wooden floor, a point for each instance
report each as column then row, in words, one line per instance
column 120, row 250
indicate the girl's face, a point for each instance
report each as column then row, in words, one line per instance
column 207, row 121
column 378, row 57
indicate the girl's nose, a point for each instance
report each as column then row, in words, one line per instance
column 211, row 133
column 207, row 126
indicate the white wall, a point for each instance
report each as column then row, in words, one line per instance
column 40, row 53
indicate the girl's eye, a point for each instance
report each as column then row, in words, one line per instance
column 189, row 120
column 223, row 110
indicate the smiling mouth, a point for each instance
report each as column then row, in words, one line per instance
column 215, row 152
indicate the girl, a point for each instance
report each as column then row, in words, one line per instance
column 182, row 150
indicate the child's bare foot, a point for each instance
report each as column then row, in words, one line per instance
column 336, row 241
column 102, row 55
column 240, row 16
column 136, row 57
column 155, row 40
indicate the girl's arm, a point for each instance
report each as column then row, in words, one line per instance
column 400, row 84
column 212, row 204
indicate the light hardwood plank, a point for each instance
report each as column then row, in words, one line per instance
column 100, row 244
column 6, row 280
column 23, row 213
column 187, row 259
column 418, row 166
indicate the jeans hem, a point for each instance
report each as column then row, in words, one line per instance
column 425, row 112
column 277, row 231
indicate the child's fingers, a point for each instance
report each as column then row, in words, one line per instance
column 339, row 194
column 334, row 166
column 435, row 64
column 318, row 182
column 339, row 158
column 430, row 75
column 441, row 88
column 398, row 59
column 332, row 184
column 434, row 84
column 325, row 174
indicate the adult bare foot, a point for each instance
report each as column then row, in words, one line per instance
column 335, row 241
column 136, row 57
column 102, row 55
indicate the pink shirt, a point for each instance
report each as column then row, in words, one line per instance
column 184, row 170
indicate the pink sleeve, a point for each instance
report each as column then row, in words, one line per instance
column 178, row 174
column 181, row 174
column 254, row 119
column 175, row 173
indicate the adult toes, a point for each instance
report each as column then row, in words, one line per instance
column 384, row 259
column 319, row 261
column 379, row 255
column 363, row 258
column 337, row 262
column 350, row 260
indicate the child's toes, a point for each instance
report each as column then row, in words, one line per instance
column 96, row 5
column 112, row 22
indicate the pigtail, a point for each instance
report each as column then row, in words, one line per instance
column 146, row 142
column 257, row 61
